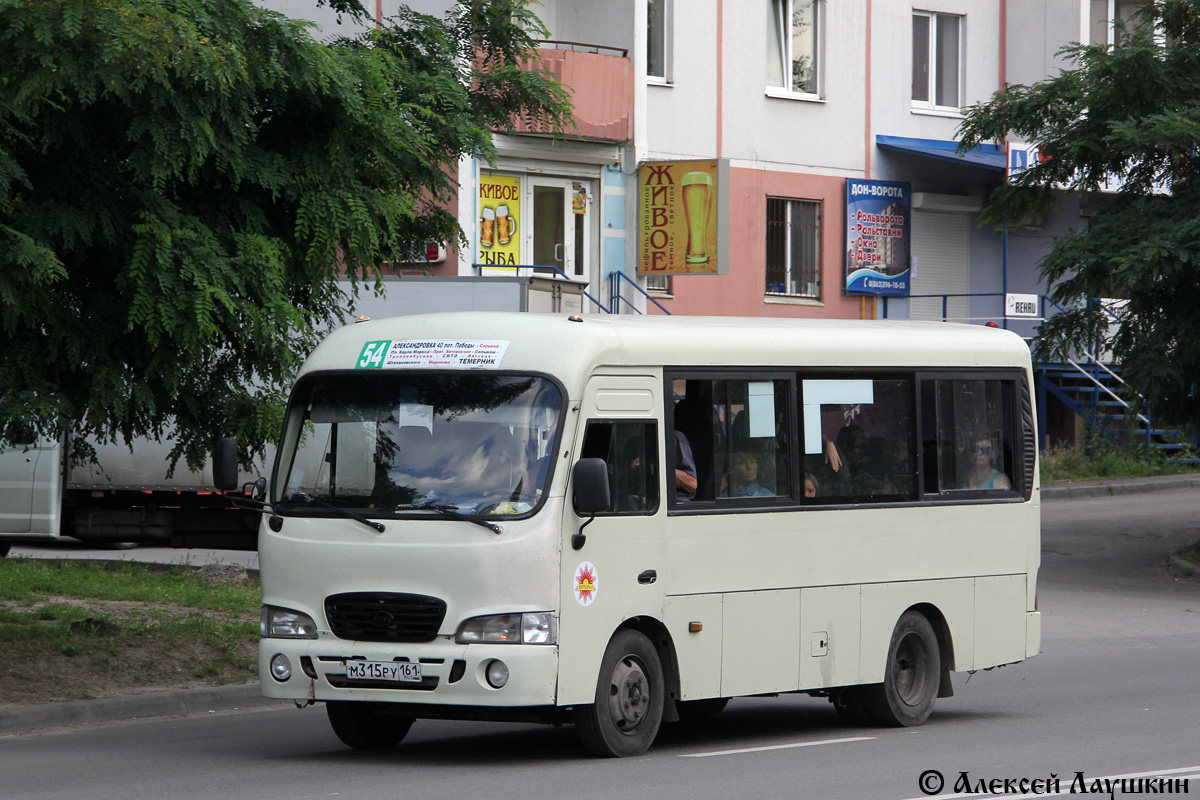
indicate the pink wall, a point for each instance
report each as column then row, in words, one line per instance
column 742, row 291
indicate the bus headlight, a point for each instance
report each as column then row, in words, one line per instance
column 529, row 628
column 283, row 623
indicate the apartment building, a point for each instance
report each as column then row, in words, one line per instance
column 790, row 158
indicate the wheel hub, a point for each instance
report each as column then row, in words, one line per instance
column 629, row 695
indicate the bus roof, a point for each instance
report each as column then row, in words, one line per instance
column 570, row 349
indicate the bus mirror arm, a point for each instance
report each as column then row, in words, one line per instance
column 592, row 494
column 578, row 539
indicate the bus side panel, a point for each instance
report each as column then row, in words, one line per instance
column 699, row 652
column 829, row 636
column 1000, row 620
column 760, row 650
column 883, row 603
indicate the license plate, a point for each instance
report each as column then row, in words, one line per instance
column 402, row 671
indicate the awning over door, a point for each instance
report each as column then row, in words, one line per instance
column 985, row 156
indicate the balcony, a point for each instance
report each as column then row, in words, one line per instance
column 600, row 80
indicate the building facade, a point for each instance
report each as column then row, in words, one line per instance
column 821, row 133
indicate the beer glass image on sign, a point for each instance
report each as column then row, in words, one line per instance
column 487, row 227
column 697, row 188
column 506, row 226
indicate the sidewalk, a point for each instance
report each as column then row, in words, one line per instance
column 19, row 719
column 1069, row 490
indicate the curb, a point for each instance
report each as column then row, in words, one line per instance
column 1181, row 568
column 1070, row 490
column 21, row 719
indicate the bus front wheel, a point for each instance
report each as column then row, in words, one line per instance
column 366, row 726
column 910, row 685
column 628, row 709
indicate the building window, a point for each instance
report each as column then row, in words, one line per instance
column 793, row 248
column 1105, row 13
column 937, row 60
column 658, row 283
column 795, row 39
column 658, row 21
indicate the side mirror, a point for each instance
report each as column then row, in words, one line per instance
column 590, row 479
column 225, row 465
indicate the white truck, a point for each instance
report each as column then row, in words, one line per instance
column 127, row 496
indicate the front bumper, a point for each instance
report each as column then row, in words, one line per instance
column 533, row 672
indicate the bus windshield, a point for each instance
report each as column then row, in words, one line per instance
column 384, row 442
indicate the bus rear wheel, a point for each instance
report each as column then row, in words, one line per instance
column 910, row 684
column 628, row 708
column 366, row 726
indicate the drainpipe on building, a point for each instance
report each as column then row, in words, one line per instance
column 1004, row 278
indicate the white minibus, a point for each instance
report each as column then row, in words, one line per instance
column 623, row 521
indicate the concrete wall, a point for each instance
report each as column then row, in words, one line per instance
column 1037, row 30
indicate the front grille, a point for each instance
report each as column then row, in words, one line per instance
column 384, row 616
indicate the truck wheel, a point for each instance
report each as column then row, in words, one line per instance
column 627, row 713
column 366, row 726
column 4, row 548
column 910, row 684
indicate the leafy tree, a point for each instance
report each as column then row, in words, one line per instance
column 182, row 180
column 1129, row 112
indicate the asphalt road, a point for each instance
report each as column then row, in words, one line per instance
column 1114, row 693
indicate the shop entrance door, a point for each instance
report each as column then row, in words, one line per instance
column 561, row 235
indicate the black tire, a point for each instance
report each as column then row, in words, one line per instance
column 628, row 709
column 910, row 684
column 850, row 706
column 701, row 710
column 367, row 726
column 4, row 548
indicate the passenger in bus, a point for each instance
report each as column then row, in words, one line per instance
column 685, row 470
column 743, row 477
column 810, row 485
column 980, row 460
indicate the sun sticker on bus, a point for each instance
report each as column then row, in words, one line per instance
column 586, row 581
column 453, row 353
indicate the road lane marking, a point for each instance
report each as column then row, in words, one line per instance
column 1065, row 784
column 776, row 747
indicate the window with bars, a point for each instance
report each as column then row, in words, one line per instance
column 658, row 283
column 793, row 247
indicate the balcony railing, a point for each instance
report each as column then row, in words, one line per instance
column 600, row 80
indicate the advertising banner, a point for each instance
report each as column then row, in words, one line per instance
column 500, row 217
column 678, row 220
column 878, row 237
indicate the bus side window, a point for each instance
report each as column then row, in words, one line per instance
column 969, row 445
column 630, row 449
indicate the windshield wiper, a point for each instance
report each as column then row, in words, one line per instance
column 345, row 512
column 450, row 512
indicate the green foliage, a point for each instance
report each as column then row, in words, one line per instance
column 1102, row 460
column 181, row 181
column 1131, row 112
column 33, row 580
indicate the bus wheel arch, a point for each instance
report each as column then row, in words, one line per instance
column 912, row 676
column 945, row 644
column 627, row 711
